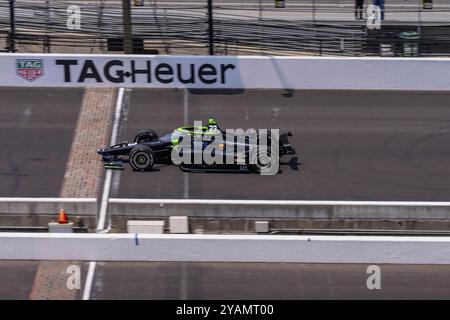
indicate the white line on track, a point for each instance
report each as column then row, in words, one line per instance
column 107, row 184
column 89, row 279
column 280, row 202
column 55, row 200
column 229, row 202
column 105, row 195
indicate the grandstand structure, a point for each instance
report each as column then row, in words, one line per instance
column 261, row 27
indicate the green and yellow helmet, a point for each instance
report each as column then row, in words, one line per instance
column 212, row 122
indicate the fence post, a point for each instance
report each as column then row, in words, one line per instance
column 210, row 28
column 127, row 31
column 260, row 25
column 12, row 21
column 314, row 11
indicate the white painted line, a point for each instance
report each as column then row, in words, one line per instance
column 104, row 201
column 117, row 115
column 89, row 279
column 232, row 202
column 279, row 202
column 105, row 195
column 108, row 175
column 74, row 200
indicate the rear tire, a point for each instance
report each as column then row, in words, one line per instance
column 142, row 158
column 262, row 161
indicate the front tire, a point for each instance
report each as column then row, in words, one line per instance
column 142, row 159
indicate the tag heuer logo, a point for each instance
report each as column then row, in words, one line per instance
column 30, row 69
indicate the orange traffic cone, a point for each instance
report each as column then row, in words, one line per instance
column 62, row 217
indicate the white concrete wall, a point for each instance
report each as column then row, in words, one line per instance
column 36, row 206
column 282, row 209
column 248, row 72
column 390, row 210
column 226, row 248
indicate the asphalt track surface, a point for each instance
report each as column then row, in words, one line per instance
column 17, row 278
column 189, row 280
column 36, row 131
column 353, row 145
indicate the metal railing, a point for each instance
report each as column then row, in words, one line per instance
column 316, row 27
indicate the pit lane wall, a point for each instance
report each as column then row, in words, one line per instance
column 46, row 206
column 225, row 248
column 301, row 209
column 210, row 208
column 215, row 72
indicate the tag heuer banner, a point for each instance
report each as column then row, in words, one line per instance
column 237, row 72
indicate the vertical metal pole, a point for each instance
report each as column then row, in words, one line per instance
column 12, row 32
column 260, row 25
column 127, row 31
column 315, row 29
column 47, row 22
column 101, row 6
column 314, row 10
column 419, row 13
column 46, row 41
column 210, row 28
column 260, row 10
column 165, row 40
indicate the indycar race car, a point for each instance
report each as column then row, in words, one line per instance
column 148, row 149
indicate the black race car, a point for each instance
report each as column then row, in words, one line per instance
column 148, row 149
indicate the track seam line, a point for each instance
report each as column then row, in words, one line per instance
column 280, row 202
column 105, row 195
column 89, row 280
column 107, row 183
column 229, row 201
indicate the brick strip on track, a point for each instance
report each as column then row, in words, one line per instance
column 84, row 170
column 81, row 180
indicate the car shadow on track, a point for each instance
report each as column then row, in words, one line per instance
column 293, row 164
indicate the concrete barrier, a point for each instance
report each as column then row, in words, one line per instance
column 220, row 72
column 225, row 248
column 246, row 209
column 47, row 206
column 282, row 209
